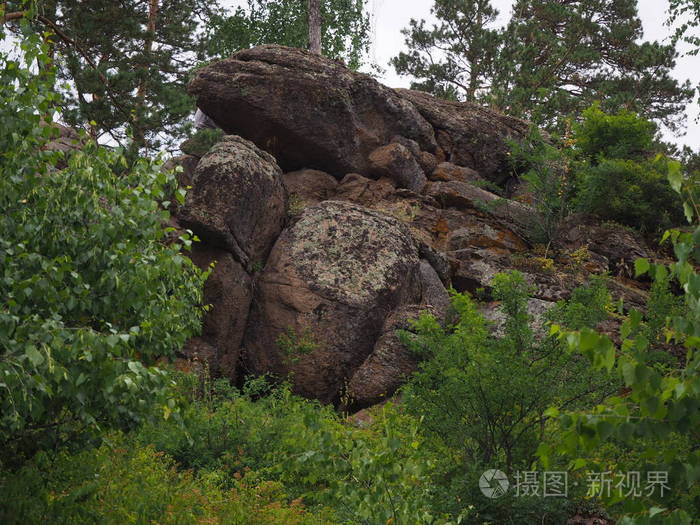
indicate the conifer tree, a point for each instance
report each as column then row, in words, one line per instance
column 454, row 58
column 559, row 56
column 126, row 64
column 552, row 60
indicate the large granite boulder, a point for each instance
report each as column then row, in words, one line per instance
column 330, row 282
column 307, row 110
column 469, row 134
column 238, row 201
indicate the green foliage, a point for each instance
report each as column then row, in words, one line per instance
column 586, row 308
column 550, row 184
column 365, row 475
column 485, row 397
column 623, row 135
column 117, row 72
column 632, row 193
column 92, row 295
column 345, row 28
column 201, row 142
column 123, row 483
column 553, row 59
column 659, row 411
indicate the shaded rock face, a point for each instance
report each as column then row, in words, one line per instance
column 229, row 291
column 238, row 201
column 618, row 245
column 331, row 279
column 396, row 162
column 309, row 187
column 309, row 111
column 388, row 366
column 470, row 135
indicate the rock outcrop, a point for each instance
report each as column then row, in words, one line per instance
column 470, row 135
column 339, row 216
column 308, row 111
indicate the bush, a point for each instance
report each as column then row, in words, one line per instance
column 633, row 193
column 484, row 397
column 120, row 483
column 624, row 135
column 92, row 294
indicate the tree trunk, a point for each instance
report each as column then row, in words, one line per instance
column 315, row 26
column 139, row 131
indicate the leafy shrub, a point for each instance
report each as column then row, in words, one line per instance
column 656, row 417
column 92, row 295
column 633, row 193
column 486, row 397
column 364, row 475
column 549, row 182
column 120, row 483
column 587, row 306
column 624, row 135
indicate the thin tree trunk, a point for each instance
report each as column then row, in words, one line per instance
column 139, row 132
column 315, row 26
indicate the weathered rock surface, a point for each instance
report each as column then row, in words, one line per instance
column 446, row 172
column 389, row 365
column 465, row 196
column 319, row 269
column 309, row 187
column 308, row 111
column 238, row 201
column 619, row 245
column 332, row 279
column 229, row 291
column 396, row 162
column 470, row 135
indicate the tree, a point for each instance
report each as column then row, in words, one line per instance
column 559, row 56
column 685, row 16
column 315, row 26
column 126, row 64
column 554, row 59
column 92, row 294
column 455, row 57
column 345, row 28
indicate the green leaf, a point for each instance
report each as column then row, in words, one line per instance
column 35, row 357
column 641, row 266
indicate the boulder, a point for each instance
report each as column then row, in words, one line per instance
column 619, row 245
column 330, row 282
column 396, row 162
column 427, row 161
column 308, row 187
column 229, row 292
column 307, row 110
column 361, row 190
column 238, row 201
column 388, row 366
column 470, row 135
column 446, row 172
column 463, row 196
column 433, row 291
